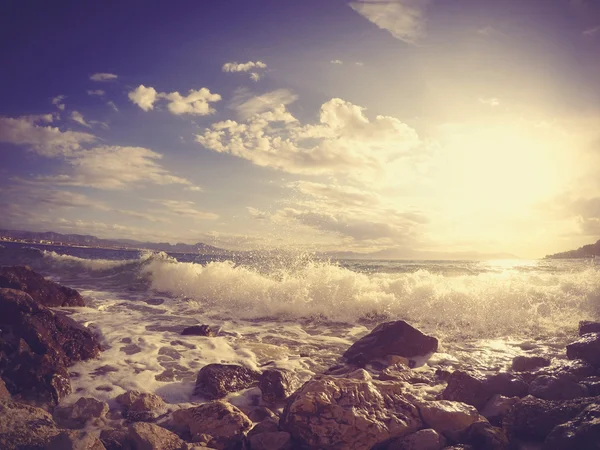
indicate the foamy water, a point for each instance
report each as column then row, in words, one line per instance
column 302, row 313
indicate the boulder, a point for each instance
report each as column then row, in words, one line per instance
column 220, row 420
column 75, row 440
column 339, row 413
column 275, row 440
column 147, row 436
column 526, row 363
column 36, row 347
column 141, row 406
column 116, row 439
column 532, row 419
column 466, row 388
column 24, row 427
column 427, row 439
column 447, row 417
column 277, row 385
column 199, row 330
column 391, row 338
column 587, row 348
column 506, row 384
column 45, row 292
column 587, row 326
column 482, row 435
column 557, row 388
column 497, row 407
column 581, row 433
column 218, row 380
column 79, row 413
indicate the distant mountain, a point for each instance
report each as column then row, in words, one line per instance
column 587, row 251
column 93, row 241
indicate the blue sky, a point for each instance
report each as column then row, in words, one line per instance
column 419, row 127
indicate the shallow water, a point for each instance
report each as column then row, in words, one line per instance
column 301, row 313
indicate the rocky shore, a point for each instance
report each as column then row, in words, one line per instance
column 380, row 395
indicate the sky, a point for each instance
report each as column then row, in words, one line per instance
column 410, row 128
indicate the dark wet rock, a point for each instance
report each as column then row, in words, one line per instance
column 391, row 338
column 587, row 348
column 131, row 349
column 114, row 439
column 527, row 363
column 533, row 418
column 340, row 413
column 482, row 435
column 581, row 433
column 448, row 417
column 223, row 422
column 427, row 439
column 467, row 388
column 4, row 394
column 147, row 436
column 75, row 440
column 587, row 326
column 577, row 368
column 497, row 407
column 260, row 413
column 36, row 347
column 141, row 406
column 79, row 413
column 276, row 440
column 199, row 330
column 265, row 426
column 24, row 427
column 217, row 380
column 277, row 385
column 506, row 384
column 592, row 384
column 563, row 387
column 45, row 292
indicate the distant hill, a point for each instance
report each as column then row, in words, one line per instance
column 93, row 241
column 587, row 251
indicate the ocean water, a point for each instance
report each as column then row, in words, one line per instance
column 301, row 313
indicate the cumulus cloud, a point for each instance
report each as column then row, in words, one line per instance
column 76, row 116
column 144, row 97
column 247, row 107
column 58, row 102
column 186, row 209
column 344, row 141
column 103, row 77
column 197, row 102
column 255, row 67
column 404, row 19
column 96, row 92
column 46, row 140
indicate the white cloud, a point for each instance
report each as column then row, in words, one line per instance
column 97, row 92
column 344, row 141
column 490, row 101
column 591, row 32
column 45, row 140
column 261, row 103
column 243, row 67
column 114, row 167
column 76, row 116
column 404, row 19
column 255, row 76
column 58, row 102
column 359, row 63
column 194, row 188
column 186, row 209
column 336, row 61
column 196, row 102
column 103, row 77
column 144, row 97
column 113, row 106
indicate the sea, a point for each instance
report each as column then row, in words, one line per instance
column 300, row 312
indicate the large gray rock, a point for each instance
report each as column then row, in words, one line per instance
column 45, row 292
column 391, row 338
column 217, row 380
column 562, row 387
column 447, row 417
column 581, row 433
column 277, row 385
column 37, row 346
column 141, row 406
column 587, row 348
column 532, row 419
column 79, row 413
column 348, row 413
column 24, row 427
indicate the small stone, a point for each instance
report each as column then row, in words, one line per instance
column 141, row 406
column 277, row 385
column 506, row 384
column 217, row 380
column 116, row 439
column 79, row 413
column 448, row 417
column 525, row 363
column 198, row 330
